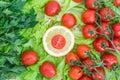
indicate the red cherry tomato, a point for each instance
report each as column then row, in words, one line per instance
column 75, row 72
column 29, row 57
column 52, row 8
column 69, row 20
column 48, row 69
column 98, row 74
column 71, row 56
column 107, row 14
column 85, row 77
column 116, row 2
column 89, row 31
column 101, row 44
column 89, row 16
column 92, row 4
column 116, row 29
column 77, row 1
column 109, row 60
column 104, row 28
column 88, row 62
column 83, row 50
column 116, row 42
column 58, row 41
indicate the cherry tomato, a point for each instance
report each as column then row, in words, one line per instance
column 104, row 28
column 48, row 69
column 116, row 29
column 58, row 41
column 98, row 74
column 69, row 20
column 85, row 77
column 89, row 16
column 71, row 56
column 89, row 31
column 75, row 72
column 29, row 57
column 92, row 4
column 77, row 1
column 107, row 14
column 83, row 51
column 117, row 2
column 101, row 44
column 88, row 62
column 52, row 8
column 109, row 60
column 116, row 42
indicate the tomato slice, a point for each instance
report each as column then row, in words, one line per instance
column 58, row 41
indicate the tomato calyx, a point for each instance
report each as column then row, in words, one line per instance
column 92, row 32
column 96, row 3
column 104, row 45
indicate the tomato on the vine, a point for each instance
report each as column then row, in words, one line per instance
column 98, row 74
column 48, row 69
column 92, row 4
column 89, row 16
column 29, row 57
column 85, row 77
column 109, row 60
column 71, row 56
column 105, row 28
column 116, row 2
column 52, row 8
column 69, row 20
column 75, row 72
column 116, row 29
column 89, row 31
column 83, row 51
column 116, row 42
column 88, row 62
column 106, row 14
column 101, row 44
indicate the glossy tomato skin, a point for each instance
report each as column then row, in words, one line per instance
column 92, row 4
column 83, row 50
column 116, row 2
column 116, row 42
column 85, row 77
column 69, row 20
column 89, row 16
column 89, row 31
column 48, row 69
column 116, row 29
column 88, row 62
column 52, row 8
column 74, row 73
column 99, row 74
column 71, row 56
column 109, row 60
column 77, row 1
column 105, row 26
column 29, row 57
column 107, row 14
column 101, row 44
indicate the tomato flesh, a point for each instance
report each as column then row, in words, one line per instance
column 85, row 77
column 29, row 57
column 52, row 8
column 109, row 60
column 48, row 69
column 58, row 41
column 117, row 2
column 77, row 1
